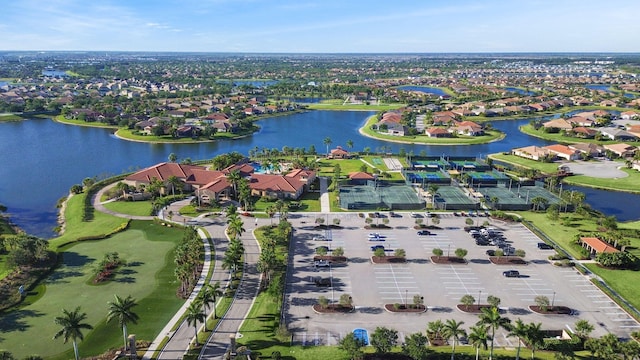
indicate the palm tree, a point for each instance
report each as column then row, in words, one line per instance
column 491, row 316
column 520, row 331
column 535, row 337
column 208, row 295
column 195, row 315
column 350, row 144
column 235, row 228
column 121, row 309
column 234, row 178
column 453, row 330
column 327, row 141
column 478, row 338
column 175, row 182
column 72, row 326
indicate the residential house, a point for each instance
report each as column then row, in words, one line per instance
column 629, row 115
column 621, row 150
column 558, row 124
column 589, row 149
column 467, row 128
column 531, row 152
column 563, row 152
column 617, row 134
column 584, row 132
column 436, row 132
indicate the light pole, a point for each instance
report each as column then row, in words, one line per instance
column 479, row 297
column 448, row 249
column 406, row 298
column 553, row 299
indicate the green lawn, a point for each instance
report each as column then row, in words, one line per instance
column 137, row 208
column 629, row 183
column 563, row 232
column 353, row 165
column 146, row 247
column 76, row 228
column 548, row 168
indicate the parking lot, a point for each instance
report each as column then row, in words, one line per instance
column 441, row 285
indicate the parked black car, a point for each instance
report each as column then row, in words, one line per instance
column 544, row 246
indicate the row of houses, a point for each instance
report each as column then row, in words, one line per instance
column 211, row 186
column 574, row 151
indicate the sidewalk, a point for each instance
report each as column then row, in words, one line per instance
column 325, row 204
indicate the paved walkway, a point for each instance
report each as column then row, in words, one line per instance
column 325, row 204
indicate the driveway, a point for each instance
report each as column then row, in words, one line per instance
column 599, row 169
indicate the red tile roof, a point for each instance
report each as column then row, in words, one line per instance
column 598, row 245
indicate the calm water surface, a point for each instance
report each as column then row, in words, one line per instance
column 42, row 159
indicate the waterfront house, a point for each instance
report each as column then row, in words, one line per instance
column 563, row 152
column 531, row 152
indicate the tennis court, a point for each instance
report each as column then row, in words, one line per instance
column 469, row 165
column 426, row 177
column 478, row 178
column 505, row 199
column 531, row 192
column 401, row 197
column 453, row 198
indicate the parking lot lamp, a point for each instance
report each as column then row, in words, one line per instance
column 553, row 299
column 406, row 298
column 479, row 297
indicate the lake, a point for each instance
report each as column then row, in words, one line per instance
column 42, row 159
column 424, row 89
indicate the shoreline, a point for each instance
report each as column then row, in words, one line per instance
column 361, row 131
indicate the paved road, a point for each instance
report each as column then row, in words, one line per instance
column 218, row 343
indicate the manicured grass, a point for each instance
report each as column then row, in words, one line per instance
column 62, row 119
column 490, row 135
column 549, row 168
column 4, row 267
column 347, row 166
column 137, row 208
column 624, row 282
column 76, row 228
column 563, row 232
column 629, row 183
column 148, row 276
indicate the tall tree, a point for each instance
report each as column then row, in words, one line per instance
column 121, row 309
column 519, row 330
column 234, row 178
column 210, row 293
column 72, row 326
column 453, row 330
column 193, row 316
column 327, row 141
column 534, row 337
column 492, row 318
column 478, row 338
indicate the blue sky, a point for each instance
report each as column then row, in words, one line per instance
column 321, row 26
